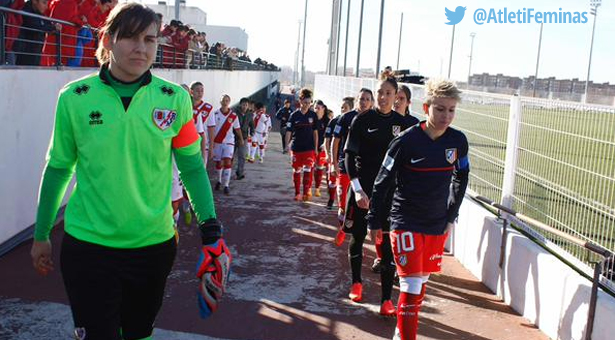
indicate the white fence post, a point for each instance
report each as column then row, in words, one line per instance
column 512, row 153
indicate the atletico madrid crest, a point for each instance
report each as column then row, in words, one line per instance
column 164, row 118
column 396, row 130
column 451, row 155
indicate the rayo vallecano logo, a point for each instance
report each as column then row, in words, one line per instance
column 164, row 118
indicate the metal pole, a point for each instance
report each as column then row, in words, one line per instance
column 537, row 61
column 339, row 24
column 591, row 48
column 303, row 47
column 472, row 35
column 380, row 38
column 450, row 58
column 332, row 40
column 346, row 39
column 2, row 36
column 593, row 300
column 177, row 2
column 359, row 48
column 401, row 25
column 296, row 71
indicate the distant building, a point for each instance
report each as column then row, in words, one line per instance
column 231, row 36
column 190, row 15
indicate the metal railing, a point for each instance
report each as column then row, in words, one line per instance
column 553, row 161
column 600, row 269
column 167, row 55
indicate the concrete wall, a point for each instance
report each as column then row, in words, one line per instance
column 27, row 105
column 534, row 282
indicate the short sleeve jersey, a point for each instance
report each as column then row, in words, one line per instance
column 302, row 127
column 203, row 118
column 341, row 131
column 122, row 158
column 368, row 138
column 331, row 127
column 225, row 124
column 262, row 122
column 321, row 126
column 424, row 169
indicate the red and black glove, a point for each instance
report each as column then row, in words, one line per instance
column 213, row 268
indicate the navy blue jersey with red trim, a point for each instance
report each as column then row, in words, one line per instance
column 331, row 127
column 302, row 128
column 321, row 126
column 411, row 120
column 430, row 178
column 341, row 131
column 368, row 139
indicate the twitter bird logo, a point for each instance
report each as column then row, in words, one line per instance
column 455, row 17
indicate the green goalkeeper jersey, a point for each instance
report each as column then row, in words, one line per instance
column 121, row 153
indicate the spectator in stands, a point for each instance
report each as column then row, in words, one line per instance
column 29, row 45
column 67, row 10
column 181, row 41
column 167, row 32
column 203, row 36
column 96, row 16
column 196, row 47
column 12, row 22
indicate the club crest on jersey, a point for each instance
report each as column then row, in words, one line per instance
column 396, row 130
column 79, row 333
column 451, row 155
column 311, row 120
column 164, row 118
column 403, row 260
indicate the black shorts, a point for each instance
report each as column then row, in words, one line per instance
column 115, row 293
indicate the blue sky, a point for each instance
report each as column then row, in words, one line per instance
column 498, row 48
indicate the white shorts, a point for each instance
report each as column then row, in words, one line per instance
column 176, row 190
column 260, row 139
column 223, row 151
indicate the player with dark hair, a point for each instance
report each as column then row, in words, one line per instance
column 323, row 115
column 302, row 140
column 428, row 168
column 282, row 115
column 119, row 243
column 368, row 139
column 340, row 134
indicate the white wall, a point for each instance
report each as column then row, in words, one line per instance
column 534, row 282
column 27, row 104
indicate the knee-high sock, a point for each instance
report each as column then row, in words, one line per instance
column 319, row 173
column 307, row 180
column 226, row 176
column 379, row 250
column 297, row 182
column 218, row 172
column 261, row 151
column 408, row 307
column 332, row 188
column 253, row 150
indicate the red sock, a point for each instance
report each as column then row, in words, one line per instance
column 307, row 181
column 297, row 182
column 319, row 173
column 408, row 307
column 379, row 249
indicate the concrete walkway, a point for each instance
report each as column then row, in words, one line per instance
column 289, row 282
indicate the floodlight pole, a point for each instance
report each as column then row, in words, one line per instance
column 450, row 58
column 346, row 39
column 537, row 61
column 593, row 11
column 472, row 35
column 401, row 25
column 356, row 72
column 380, row 39
column 303, row 47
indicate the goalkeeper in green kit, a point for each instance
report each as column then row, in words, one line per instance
column 117, row 130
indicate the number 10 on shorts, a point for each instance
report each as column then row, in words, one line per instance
column 404, row 242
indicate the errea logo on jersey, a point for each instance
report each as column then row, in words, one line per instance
column 167, row 90
column 82, row 89
column 96, row 118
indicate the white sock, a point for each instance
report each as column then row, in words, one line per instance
column 218, row 175
column 226, row 176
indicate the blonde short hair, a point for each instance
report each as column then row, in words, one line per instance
column 441, row 88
